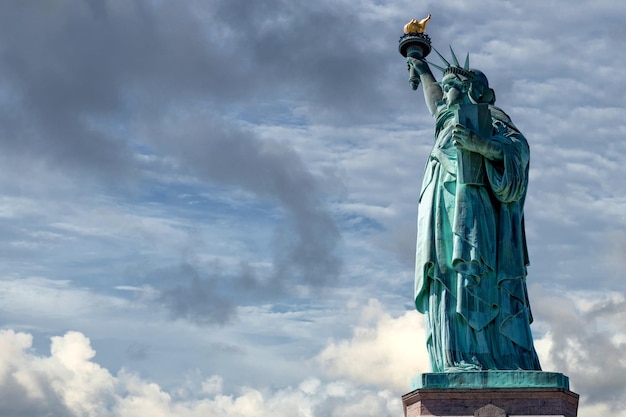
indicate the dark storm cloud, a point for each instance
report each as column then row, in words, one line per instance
column 324, row 50
column 78, row 76
column 57, row 75
column 70, row 70
column 197, row 298
column 234, row 156
column 304, row 245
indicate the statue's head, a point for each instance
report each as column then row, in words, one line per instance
column 475, row 86
column 471, row 83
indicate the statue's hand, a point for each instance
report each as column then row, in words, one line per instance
column 464, row 138
column 416, row 69
column 419, row 65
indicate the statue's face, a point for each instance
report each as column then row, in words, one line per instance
column 454, row 89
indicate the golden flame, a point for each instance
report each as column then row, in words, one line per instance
column 415, row 26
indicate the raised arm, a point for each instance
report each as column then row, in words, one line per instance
column 420, row 71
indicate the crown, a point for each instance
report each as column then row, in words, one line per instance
column 482, row 94
column 455, row 69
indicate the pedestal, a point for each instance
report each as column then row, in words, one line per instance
column 491, row 394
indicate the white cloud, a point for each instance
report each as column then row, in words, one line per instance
column 585, row 341
column 213, row 385
column 368, row 372
column 383, row 351
column 69, row 383
column 66, row 382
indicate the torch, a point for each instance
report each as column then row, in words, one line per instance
column 415, row 44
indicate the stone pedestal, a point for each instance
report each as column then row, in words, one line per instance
column 491, row 394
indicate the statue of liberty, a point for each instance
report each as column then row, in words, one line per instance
column 471, row 255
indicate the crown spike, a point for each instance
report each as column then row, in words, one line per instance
column 442, row 69
column 456, row 61
column 441, row 56
column 466, row 66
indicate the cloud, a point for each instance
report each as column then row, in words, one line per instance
column 221, row 153
column 66, row 383
column 615, row 261
column 69, row 383
column 383, row 351
column 128, row 86
column 581, row 335
column 305, row 242
column 104, row 63
column 368, row 372
column 196, row 298
column 227, row 161
column 585, row 340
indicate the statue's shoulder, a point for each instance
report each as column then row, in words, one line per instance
column 505, row 130
column 499, row 114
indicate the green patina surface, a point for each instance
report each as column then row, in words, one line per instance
column 490, row 379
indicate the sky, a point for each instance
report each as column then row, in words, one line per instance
column 208, row 208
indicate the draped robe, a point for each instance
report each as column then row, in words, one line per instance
column 471, row 257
